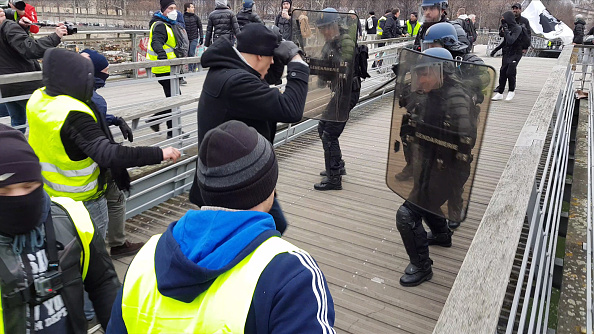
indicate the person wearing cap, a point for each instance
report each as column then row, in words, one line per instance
column 51, row 252
column 413, row 25
column 224, row 268
column 283, row 20
column 18, row 54
column 222, row 22
column 26, row 10
column 116, row 198
column 435, row 11
column 246, row 14
column 72, row 140
column 371, row 26
column 234, row 89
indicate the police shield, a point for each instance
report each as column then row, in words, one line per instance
column 438, row 122
column 328, row 39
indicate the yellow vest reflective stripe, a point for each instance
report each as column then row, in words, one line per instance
column 62, row 177
column 380, row 31
column 410, row 30
column 168, row 47
column 223, row 308
column 85, row 229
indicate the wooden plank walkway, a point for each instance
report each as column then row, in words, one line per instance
column 352, row 233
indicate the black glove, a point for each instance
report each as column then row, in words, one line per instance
column 286, row 51
column 126, row 131
column 201, row 41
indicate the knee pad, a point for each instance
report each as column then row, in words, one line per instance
column 406, row 220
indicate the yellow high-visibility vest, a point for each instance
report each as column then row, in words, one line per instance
column 85, row 229
column 223, row 308
column 412, row 31
column 62, row 177
column 168, row 47
column 380, row 30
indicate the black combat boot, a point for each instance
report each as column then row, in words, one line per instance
column 341, row 169
column 417, row 274
column 440, row 239
column 453, row 225
column 333, row 182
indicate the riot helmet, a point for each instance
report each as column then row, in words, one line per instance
column 433, row 10
column 428, row 74
column 443, row 35
column 327, row 23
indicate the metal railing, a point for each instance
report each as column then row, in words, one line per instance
column 155, row 184
column 478, row 293
column 590, row 217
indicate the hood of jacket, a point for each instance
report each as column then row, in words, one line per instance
column 202, row 245
column 246, row 10
column 68, row 73
column 221, row 6
column 510, row 19
column 290, row 3
column 222, row 54
column 580, row 21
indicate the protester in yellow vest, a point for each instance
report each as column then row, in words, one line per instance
column 161, row 47
column 72, row 140
column 413, row 25
column 225, row 269
column 50, row 251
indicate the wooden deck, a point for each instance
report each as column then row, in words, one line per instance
column 352, row 233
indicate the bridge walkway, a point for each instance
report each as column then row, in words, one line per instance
column 352, row 233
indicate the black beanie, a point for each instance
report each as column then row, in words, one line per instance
column 256, row 39
column 18, row 162
column 165, row 4
column 237, row 167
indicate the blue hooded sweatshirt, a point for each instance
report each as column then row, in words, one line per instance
column 291, row 296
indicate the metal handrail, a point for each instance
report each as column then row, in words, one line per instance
column 590, row 231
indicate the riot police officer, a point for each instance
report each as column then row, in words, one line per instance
column 339, row 48
column 441, row 132
column 434, row 11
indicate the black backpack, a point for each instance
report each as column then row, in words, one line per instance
column 525, row 38
column 361, row 57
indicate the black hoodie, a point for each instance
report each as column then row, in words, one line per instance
column 578, row 31
column 68, row 73
column 511, row 34
column 233, row 90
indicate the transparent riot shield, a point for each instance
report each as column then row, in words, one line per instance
column 438, row 122
column 329, row 41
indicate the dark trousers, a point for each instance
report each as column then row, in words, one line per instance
column 409, row 221
column 279, row 217
column 329, row 133
column 508, row 72
column 166, row 84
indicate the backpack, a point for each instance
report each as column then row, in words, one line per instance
column 181, row 39
column 369, row 23
column 525, row 38
column 468, row 27
column 361, row 57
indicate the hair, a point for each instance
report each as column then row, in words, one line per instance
column 461, row 11
column 371, row 12
column 471, row 16
column 415, row 14
column 395, row 11
column 187, row 6
column 389, row 10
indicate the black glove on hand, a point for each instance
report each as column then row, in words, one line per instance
column 126, row 131
column 286, row 51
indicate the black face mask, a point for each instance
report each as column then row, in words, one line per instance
column 102, row 76
column 20, row 214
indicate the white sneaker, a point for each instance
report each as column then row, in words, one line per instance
column 497, row 97
column 510, row 96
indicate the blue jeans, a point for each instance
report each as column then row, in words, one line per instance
column 18, row 113
column 3, row 110
column 192, row 53
column 279, row 217
column 98, row 211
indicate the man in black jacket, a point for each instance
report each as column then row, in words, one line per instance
column 18, row 54
column 392, row 28
column 42, row 239
column 371, row 26
column 512, row 53
column 246, row 14
column 194, row 30
column 579, row 29
column 283, row 20
column 221, row 22
column 234, row 89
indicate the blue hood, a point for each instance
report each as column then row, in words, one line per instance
column 202, row 245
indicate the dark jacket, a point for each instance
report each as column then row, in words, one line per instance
column 291, row 295
column 392, row 28
column 19, row 53
column 81, row 136
column 374, row 29
column 246, row 16
column 511, row 43
column 160, row 35
column 578, row 31
column 221, row 22
column 193, row 27
column 284, row 25
column 234, row 90
column 522, row 22
column 101, row 282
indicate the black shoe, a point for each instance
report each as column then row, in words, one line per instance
column 453, row 225
column 496, row 90
column 182, row 81
column 415, row 275
column 441, row 239
column 329, row 183
column 155, row 127
column 342, row 172
column 407, row 173
column 127, row 249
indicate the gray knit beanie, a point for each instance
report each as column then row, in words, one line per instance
column 237, row 167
